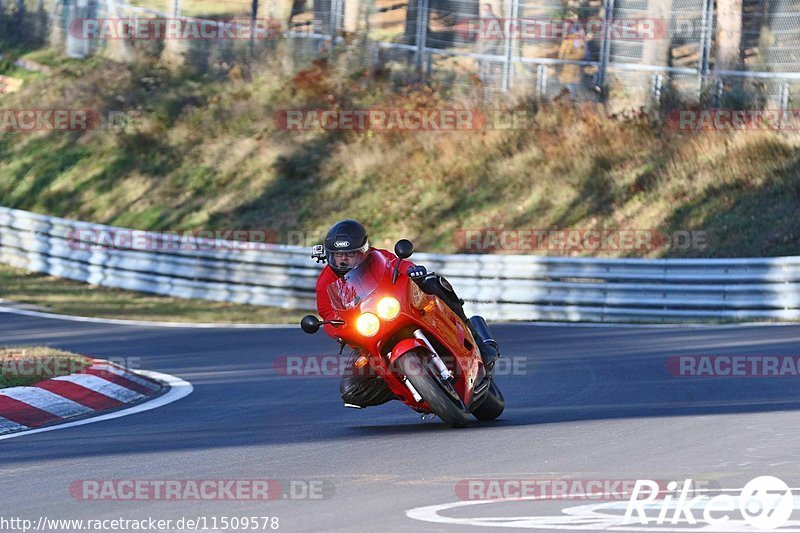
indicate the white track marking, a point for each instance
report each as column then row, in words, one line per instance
column 178, row 389
column 46, row 401
column 675, row 325
column 103, row 386
column 147, row 323
column 111, row 369
column 8, row 425
column 588, row 517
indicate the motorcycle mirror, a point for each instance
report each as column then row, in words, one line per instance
column 403, row 249
column 310, row 324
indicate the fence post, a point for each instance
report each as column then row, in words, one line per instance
column 658, row 81
column 508, row 48
column 541, row 81
column 718, row 93
column 77, row 47
column 336, row 6
column 253, row 17
column 422, row 34
column 20, row 22
column 706, row 33
column 605, row 45
column 784, row 96
column 176, row 8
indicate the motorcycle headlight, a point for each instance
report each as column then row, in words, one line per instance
column 388, row 308
column 368, row 324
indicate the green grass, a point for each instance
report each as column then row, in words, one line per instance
column 25, row 365
column 67, row 297
column 8, row 68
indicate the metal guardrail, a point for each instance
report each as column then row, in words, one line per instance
column 498, row 287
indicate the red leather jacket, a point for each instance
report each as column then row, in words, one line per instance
column 328, row 276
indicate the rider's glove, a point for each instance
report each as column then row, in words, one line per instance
column 417, row 272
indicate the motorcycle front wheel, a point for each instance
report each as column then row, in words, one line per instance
column 435, row 391
column 492, row 406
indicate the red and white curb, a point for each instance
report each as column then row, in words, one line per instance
column 99, row 387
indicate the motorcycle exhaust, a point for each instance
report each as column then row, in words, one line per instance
column 486, row 343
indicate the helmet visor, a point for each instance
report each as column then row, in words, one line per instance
column 344, row 261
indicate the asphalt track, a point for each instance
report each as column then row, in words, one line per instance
column 587, row 403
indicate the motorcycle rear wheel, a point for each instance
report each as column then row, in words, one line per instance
column 436, row 392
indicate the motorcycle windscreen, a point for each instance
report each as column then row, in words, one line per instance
column 354, row 287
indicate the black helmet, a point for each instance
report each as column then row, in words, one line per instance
column 346, row 236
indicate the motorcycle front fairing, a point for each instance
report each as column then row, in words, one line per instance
column 361, row 291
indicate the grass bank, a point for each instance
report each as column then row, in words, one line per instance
column 203, row 152
column 25, row 365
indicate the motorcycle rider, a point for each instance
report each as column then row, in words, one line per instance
column 346, row 246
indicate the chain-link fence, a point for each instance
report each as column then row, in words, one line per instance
column 763, row 68
column 726, row 53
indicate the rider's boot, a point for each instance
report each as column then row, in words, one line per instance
column 488, row 347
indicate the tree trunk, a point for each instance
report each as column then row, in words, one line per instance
column 352, row 15
column 656, row 49
column 656, row 45
column 729, row 34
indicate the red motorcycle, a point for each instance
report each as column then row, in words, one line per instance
column 418, row 345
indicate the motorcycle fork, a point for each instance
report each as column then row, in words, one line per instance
column 444, row 372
